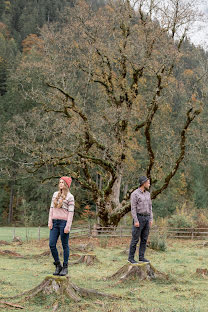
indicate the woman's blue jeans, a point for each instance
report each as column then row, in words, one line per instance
column 58, row 230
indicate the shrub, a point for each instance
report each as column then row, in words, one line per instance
column 158, row 241
column 180, row 221
column 201, row 220
column 103, row 242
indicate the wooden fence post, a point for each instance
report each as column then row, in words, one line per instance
column 26, row 234
column 14, row 232
column 39, row 233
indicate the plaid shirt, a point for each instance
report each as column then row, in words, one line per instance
column 141, row 203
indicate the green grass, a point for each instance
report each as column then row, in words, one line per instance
column 184, row 291
column 26, row 234
column 7, row 233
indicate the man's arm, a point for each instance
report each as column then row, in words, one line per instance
column 134, row 209
column 151, row 214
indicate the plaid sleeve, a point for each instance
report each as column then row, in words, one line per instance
column 70, row 203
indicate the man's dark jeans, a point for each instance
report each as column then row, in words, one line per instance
column 141, row 233
column 58, row 229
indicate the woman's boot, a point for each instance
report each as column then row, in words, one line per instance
column 64, row 270
column 58, row 268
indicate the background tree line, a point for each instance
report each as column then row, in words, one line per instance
column 85, row 98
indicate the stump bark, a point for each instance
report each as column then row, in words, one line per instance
column 83, row 247
column 202, row 272
column 10, row 253
column 17, row 239
column 87, row 259
column 2, row 242
column 140, row 271
column 60, row 287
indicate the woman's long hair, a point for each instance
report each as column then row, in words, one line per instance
column 58, row 201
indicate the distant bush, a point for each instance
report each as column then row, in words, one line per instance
column 201, row 220
column 103, row 241
column 158, row 241
column 181, row 221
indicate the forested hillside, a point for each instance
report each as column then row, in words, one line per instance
column 103, row 93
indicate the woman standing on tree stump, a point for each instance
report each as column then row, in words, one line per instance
column 59, row 222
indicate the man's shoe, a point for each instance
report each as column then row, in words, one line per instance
column 144, row 260
column 58, row 268
column 132, row 261
column 64, row 270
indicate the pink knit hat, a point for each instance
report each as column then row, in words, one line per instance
column 68, row 180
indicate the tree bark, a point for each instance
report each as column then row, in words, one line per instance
column 11, row 200
column 140, row 271
column 62, row 286
column 108, row 204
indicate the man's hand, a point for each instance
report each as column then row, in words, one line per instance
column 136, row 224
column 66, row 231
column 50, row 226
column 150, row 223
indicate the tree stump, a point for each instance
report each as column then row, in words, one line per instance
column 87, row 259
column 83, row 247
column 10, row 253
column 61, row 287
column 202, row 272
column 2, row 242
column 44, row 254
column 126, row 251
column 17, row 239
column 140, row 271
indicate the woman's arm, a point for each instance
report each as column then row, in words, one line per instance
column 50, row 217
column 70, row 214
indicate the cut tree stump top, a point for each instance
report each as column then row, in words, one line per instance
column 137, row 271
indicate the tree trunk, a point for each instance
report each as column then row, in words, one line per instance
column 107, row 206
column 126, row 187
column 11, row 204
column 99, row 185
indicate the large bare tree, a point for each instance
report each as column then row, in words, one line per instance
column 110, row 102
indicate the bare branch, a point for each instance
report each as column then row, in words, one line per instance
column 152, row 112
column 95, row 189
column 89, row 136
column 139, row 126
column 101, row 162
column 191, row 115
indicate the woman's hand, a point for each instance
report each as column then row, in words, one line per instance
column 66, row 231
column 50, row 226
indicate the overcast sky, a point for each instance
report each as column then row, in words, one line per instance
column 199, row 31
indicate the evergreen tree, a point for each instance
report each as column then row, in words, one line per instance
column 3, row 76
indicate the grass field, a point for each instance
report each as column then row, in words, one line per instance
column 32, row 233
column 184, row 291
column 27, row 234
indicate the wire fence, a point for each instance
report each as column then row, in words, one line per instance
column 38, row 233
column 184, row 233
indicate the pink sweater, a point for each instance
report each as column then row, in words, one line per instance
column 66, row 212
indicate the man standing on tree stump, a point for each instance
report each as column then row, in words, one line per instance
column 141, row 210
